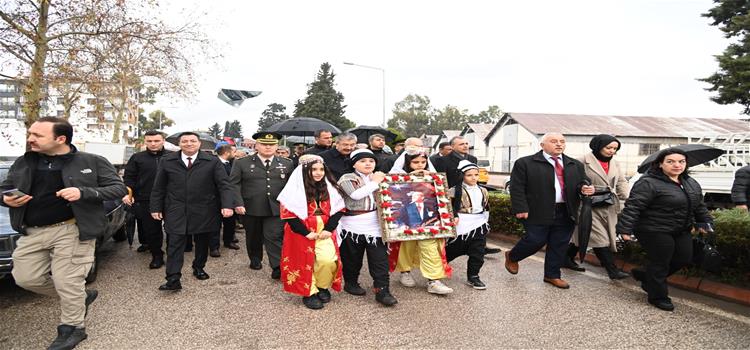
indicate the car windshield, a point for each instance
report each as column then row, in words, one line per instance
column 483, row 163
column 4, row 213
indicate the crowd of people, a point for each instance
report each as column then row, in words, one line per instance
column 315, row 212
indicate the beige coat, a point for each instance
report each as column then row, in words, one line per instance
column 604, row 219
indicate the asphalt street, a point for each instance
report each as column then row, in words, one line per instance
column 239, row 308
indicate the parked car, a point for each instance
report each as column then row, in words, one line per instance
column 9, row 237
column 484, row 173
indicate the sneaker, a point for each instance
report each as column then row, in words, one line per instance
column 324, row 295
column 406, row 279
column 437, row 287
column 313, row 302
column 67, row 337
column 91, row 295
column 476, row 283
column 383, row 296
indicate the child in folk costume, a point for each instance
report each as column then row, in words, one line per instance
column 429, row 255
column 470, row 206
column 311, row 207
column 360, row 228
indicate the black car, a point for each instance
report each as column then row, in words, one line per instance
column 8, row 237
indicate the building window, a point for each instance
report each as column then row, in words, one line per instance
column 60, row 114
column 645, row 149
column 60, row 100
column 91, row 101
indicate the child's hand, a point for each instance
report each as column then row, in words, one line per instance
column 324, row 234
column 312, row 236
column 455, row 221
column 377, row 176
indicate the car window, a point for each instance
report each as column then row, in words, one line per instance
column 483, row 162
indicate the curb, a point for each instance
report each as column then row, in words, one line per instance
column 694, row 284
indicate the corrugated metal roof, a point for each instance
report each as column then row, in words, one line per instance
column 578, row 124
column 451, row 133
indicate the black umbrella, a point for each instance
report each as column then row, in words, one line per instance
column 696, row 154
column 207, row 141
column 130, row 224
column 302, row 126
column 236, row 97
column 364, row 132
column 584, row 226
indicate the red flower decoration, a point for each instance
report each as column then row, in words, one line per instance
column 445, row 215
column 386, row 205
column 394, row 177
column 438, row 182
column 441, row 204
column 385, row 192
column 390, row 219
column 407, row 231
column 420, row 230
column 434, row 231
column 450, row 224
column 407, row 177
column 435, row 177
column 441, row 193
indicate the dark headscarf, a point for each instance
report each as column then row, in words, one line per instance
column 599, row 142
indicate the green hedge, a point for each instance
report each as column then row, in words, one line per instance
column 501, row 218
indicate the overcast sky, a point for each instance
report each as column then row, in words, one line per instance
column 583, row 57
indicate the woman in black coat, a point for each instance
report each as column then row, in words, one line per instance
column 664, row 205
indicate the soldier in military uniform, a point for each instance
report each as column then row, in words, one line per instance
column 258, row 180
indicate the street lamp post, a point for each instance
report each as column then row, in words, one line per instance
column 383, row 74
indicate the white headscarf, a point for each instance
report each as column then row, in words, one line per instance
column 398, row 165
column 293, row 197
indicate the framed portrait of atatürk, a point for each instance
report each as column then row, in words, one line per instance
column 414, row 207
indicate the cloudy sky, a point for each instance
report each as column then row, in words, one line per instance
column 636, row 57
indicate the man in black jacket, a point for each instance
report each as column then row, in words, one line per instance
column 444, row 149
column 545, row 197
column 337, row 159
column 384, row 160
column 449, row 164
column 140, row 172
column 190, row 190
column 225, row 153
column 741, row 187
column 60, row 216
column 323, row 142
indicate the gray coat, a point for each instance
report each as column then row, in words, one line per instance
column 604, row 219
column 257, row 188
column 92, row 174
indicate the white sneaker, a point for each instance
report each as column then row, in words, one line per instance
column 437, row 287
column 407, row 280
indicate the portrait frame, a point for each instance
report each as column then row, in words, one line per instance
column 394, row 195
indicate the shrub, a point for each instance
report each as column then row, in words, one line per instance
column 732, row 235
column 501, row 217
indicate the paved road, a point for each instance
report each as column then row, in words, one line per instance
column 239, row 308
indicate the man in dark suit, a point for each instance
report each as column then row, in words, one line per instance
column 384, row 160
column 190, row 189
column 140, row 172
column 323, row 142
column 225, row 153
column 337, row 159
column 449, row 164
column 257, row 181
column 416, row 213
column 545, row 197
column 444, row 149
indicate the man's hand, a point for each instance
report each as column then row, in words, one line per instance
column 625, row 236
column 70, row 194
column 324, row 234
column 156, row 216
column 522, row 215
column 128, row 200
column 742, row 206
column 240, row 210
column 587, row 190
column 226, row 212
column 15, row 202
column 377, row 176
column 312, row 236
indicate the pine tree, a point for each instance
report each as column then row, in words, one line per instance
column 215, row 130
column 275, row 113
column 323, row 101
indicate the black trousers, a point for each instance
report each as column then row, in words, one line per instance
column 176, row 253
column 666, row 255
column 149, row 230
column 555, row 236
column 228, row 225
column 473, row 247
column 353, row 249
column 260, row 231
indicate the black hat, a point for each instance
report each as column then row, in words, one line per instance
column 361, row 153
column 267, row 137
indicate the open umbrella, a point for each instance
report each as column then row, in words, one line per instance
column 364, row 132
column 302, row 126
column 236, row 97
column 208, row 142
column 584, row 226
column 696, row 154
column 130, row 222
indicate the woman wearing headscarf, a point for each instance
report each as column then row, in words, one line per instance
column 611, row 192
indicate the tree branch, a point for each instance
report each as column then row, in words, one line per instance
column 16, row 26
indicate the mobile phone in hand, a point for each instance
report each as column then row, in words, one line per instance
column 14, row 192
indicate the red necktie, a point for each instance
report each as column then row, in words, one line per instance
column 560, row 176
column 419, row 209
column 190, row 162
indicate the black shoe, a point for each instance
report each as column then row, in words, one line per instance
column 476, row 283
column 156, row 262
column 354, row 289
column 91, row 295
column 618, row 274
column 214, row 253
column 67, row 337
column 171, row 285
column 324, row 295
column 313, row 302
column 492, row 251
column 572, row 265
column 638, row 274
column 276, row 273
column 665, row 305
column 200, row 274
column 255, row 264
column 142, row 248
column 383, row 296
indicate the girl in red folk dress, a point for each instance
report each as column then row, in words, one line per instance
column 311, row 206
